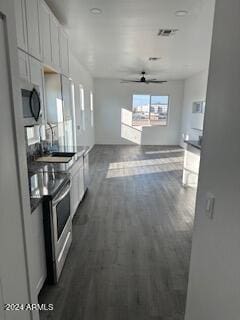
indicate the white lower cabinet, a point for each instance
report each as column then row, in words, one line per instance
column 39, row 268
column 77, row 191
column 86, row 171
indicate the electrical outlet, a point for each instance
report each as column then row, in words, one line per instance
column 210, row 203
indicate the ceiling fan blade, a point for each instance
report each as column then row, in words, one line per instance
column 128, row 81
column 156, row 81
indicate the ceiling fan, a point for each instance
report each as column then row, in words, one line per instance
column 143, row 80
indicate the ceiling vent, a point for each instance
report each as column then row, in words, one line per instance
column 154, row 58
column 167, row 32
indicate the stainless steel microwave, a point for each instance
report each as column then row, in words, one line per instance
column 31, row 104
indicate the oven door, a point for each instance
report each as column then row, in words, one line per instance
column 62, row 228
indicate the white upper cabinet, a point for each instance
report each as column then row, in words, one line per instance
column 36, row 74
column 54, row 28
column 33, row 32
column 40, row 34
column 44, row 22
column 21, row 26
column 23, row 61
column 64, row 52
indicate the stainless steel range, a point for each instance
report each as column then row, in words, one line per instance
column 58, row 231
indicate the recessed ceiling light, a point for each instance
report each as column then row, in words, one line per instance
column 96, row 11
column 187, row 66
column 181, row 13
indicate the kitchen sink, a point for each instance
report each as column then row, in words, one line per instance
column 63, row 154
column 57, row 157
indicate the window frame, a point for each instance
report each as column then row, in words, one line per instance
column 150, row 103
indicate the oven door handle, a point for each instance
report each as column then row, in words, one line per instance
column 62, row 194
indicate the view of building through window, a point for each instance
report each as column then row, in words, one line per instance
column 150, row 110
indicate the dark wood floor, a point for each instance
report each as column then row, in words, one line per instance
column 131, row 240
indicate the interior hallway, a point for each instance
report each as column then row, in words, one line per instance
column 131, row 240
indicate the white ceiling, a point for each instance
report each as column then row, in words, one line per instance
column 118, row 43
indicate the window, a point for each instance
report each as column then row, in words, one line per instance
column 82, row 98
column 91, row 107
column 74, row 113
column 82, row 101
column 150, row 110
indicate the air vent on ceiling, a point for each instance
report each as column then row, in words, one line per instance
column 167, row 32
column 153, row 58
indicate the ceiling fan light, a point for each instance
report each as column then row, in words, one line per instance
column 181, row 13
column 96, row 11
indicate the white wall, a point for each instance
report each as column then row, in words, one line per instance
column 214, row 281
column 195, row 89
column 81, row 76
column 113, row 104
column 15, row 216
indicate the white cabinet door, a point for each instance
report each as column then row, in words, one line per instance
column 20, row 13
column 77, row 191
column 74, row 194
column 23, row 61
column 34, row 45
column 44, row 22
column 37, row 79
column 55, row 42
column 86, row 172
column 64, row 53
column 38, row 249
column 81, row 184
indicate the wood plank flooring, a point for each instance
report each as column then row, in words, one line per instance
column 131, row 240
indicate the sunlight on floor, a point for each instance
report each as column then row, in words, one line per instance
column 164, row 151
column 147, row 162
column 136, row 171
column 143, row 167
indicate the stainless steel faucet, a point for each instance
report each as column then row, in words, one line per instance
column 52, row 133
column 40, row 135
